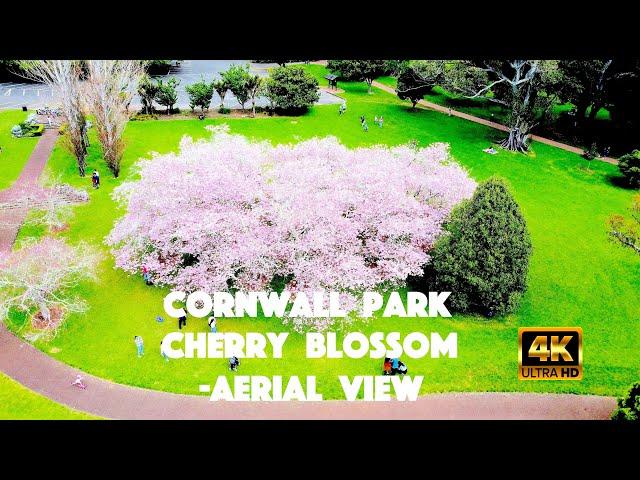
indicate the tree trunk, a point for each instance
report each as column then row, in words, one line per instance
column 253, row 108
column 45, row 312
column 369, row 82
column 517, row 139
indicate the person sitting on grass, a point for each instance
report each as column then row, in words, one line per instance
column 386, row 366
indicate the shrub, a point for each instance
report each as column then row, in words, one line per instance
column 484, row 258
column 141, row 117
column 291, row 89
column 629, row 406
column 200, row 95
column 316, row 213
column 158, row 67
column 629, row 166
column 224, row 110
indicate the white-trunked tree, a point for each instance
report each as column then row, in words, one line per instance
column 528, row 88
column 108, row 91
column 64, row 76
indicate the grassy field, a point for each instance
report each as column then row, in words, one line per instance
column 20, row 403
column 577, row 277
column 14, row 152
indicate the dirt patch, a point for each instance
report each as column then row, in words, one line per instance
column 40, row 323
column 62, row 228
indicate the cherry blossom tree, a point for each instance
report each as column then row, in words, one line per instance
column 108, row 91
column 39, row 279
column 229, row 212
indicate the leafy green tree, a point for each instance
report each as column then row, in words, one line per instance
column 291, row 89
column 359, row 70
column 167, row 94
column 237, row 77
column 221, row 87
column 417, row 78
column 585, row 84
column 200, row 95
column 254, row 87
column 629, row 406
column 147, row 91
column 624, row 101
column 483, row 257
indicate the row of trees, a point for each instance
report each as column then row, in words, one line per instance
column 530, row 88
column 103, row 88
column 288, row 88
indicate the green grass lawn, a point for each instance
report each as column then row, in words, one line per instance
column 20, row 403
column 577, row 277
column 14, row 152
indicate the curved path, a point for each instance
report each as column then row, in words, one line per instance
column 51, row 378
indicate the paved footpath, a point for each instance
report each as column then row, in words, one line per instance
column 11, row 218
column 51, row 378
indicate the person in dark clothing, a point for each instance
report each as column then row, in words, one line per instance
column 182, row 321
column 234, row 363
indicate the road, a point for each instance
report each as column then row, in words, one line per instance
column 16, row 95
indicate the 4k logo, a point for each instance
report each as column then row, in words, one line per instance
column 553, row 353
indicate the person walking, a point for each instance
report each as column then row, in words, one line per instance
column 162, row 352
column 365, row 127
column 95, row 179
column 212, row 324
column 362, row 120
column 139, row 345
column 380, row 121
column 375, row 120
column 182, row 321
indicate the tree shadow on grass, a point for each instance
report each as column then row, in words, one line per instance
column 620, row 182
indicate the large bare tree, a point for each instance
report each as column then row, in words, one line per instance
column 108, row 91
column 528, row 88
column 65, row 77
column 40, row 279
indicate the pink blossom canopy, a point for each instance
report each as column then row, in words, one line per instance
column 233, row 212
